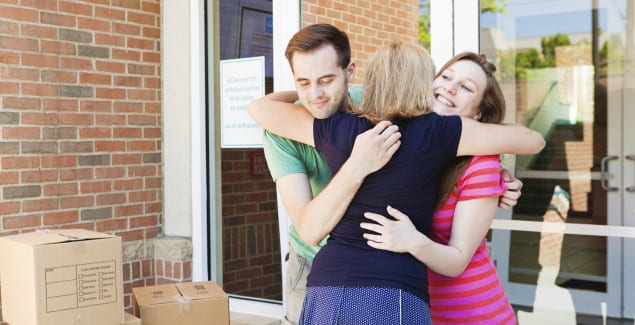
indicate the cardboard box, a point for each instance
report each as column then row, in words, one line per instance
column 193, row 303
column 129, row 319
column 62, row 276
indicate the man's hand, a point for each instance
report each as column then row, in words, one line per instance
column 512, row 194
column 374, row 148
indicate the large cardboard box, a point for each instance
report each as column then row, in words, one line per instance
column 62, row 276
column 192, row 303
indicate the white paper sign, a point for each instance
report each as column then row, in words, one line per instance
column 241, row 81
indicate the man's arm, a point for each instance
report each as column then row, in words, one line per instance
column 315, row 218
column 513, row 192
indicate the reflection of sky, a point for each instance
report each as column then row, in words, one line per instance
column 535, row 18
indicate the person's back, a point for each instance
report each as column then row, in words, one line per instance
column 408, row 182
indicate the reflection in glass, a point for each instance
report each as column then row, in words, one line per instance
column 562, row 67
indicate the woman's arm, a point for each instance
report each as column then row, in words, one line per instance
column 315, row 218
column 490, row 139
column 472, row 220
column 277, row 114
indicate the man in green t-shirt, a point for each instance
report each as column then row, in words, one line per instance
column 300, row 172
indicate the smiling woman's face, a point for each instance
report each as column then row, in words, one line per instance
column 459, row 89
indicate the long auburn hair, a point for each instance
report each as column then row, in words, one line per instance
column 398, row 83
column 492, row 109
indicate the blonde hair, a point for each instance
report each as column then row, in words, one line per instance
column 398, row 83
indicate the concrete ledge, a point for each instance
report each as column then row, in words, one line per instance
column 173, row 248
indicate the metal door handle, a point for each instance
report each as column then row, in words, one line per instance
column 604, row 173
column 630, row 188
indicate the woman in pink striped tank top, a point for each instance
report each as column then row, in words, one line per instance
column 463, row 283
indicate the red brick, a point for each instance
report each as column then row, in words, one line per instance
column 143, row 94
column 9, row 207
column 61, row 217
column 110, row 120
column 19, row 73
column 128, row 107
column 110, row 93
column 153, row 232
column 153, row 7
column 9, row 28
column 40, row 205
column 111, row 225
column 146, row 268
column 110, row 172
column 167, row 269
column 176, row 270
column 57, row 19
column 95, row 187
column 95, row 78
column 95, row 106
column 57, row 47
column 146, row 221
column 154, row 133
column 77, row 202
column 109, row 146
column 40, row 60
column 110, row 40
column 128, row 184
column 47, row 90
column 111, row 199
column 98, row 133
column 60, row 189
column 147, row 145
column 128, row 210
column 126, row 132
column 58, row 161
column 11, row 88
column 84, row 23
column 151, row 32
column 130, row 4
column 76, row 174
column 19, row 13
column 130, row 235
column 75, row 119
column 127, row 81
column 142, row 196
column 75, row 8
column 25, row 103
column 9, row 58
column 110, row 13
column 24, row 133
column 76, row 63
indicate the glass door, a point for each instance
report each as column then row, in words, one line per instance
column 566, row 68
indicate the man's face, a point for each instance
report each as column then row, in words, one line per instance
column 321, row 84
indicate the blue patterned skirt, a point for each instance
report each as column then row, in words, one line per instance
column 357, row 306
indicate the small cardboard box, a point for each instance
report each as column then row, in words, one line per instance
column 62, row 276
column 129, row 319
column 192, row 303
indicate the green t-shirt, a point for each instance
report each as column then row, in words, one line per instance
column 286, row 157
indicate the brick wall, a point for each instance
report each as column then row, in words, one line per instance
column 251, row 249
column 369, row 24
column 80, row 118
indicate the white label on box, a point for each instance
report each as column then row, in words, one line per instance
column 70, row 287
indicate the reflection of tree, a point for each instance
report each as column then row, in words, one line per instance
column 549, row 45
column 515, row 64
column 612, row 51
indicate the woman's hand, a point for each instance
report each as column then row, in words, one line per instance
column 399, row 235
